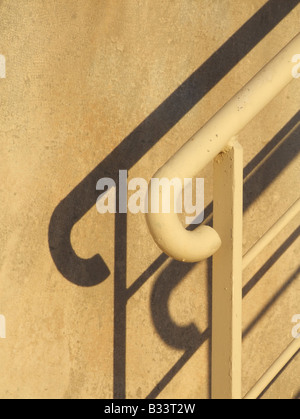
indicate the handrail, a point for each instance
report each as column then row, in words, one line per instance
column 166, row 229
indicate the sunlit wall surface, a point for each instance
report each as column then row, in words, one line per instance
column 90, row 306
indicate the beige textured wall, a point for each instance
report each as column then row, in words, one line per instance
column 87, row 78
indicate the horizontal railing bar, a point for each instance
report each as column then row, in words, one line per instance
column 271, row 234
column 274, row 370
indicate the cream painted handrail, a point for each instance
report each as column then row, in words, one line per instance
column 166, row 229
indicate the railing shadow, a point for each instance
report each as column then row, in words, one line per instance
column 90, row 272
column 286, row 285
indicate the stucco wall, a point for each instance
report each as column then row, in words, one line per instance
column 92, row 87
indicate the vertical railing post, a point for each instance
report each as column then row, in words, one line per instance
column 227, row 275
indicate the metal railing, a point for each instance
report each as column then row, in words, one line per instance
column 217, row 141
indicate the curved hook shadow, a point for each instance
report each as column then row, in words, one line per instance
column 88, row 272
column 179, row 337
